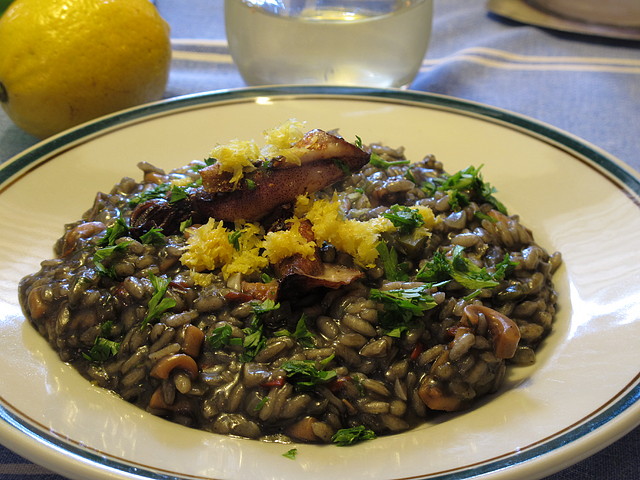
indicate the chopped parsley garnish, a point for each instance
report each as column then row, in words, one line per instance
column 377, row 161
column 392, row 269
column 457, row 199
column 106, row 328
column 464, row 271
column 463, row 186
column 342, row 166
column 251, row 185
column 405, row 219
column 158, row 303
column 349, row 436
column 186, row 224
column 305, row 375
column 118, row 229
column 102, row 254
column 483, row 216
column 410, row 176
column 260, row 308
column 301, row 333
column 159, row 191
column 504, row 268
column 177, row 193
column 263, row 401
column 222, row 336
column 207, row 162
column 154, row 235
column 254, row 339
column 291, row 454
column 429, row 188
column 101, row 350
column 402, row 306
column 267, row 164
column 437, row 270
column 234, row 239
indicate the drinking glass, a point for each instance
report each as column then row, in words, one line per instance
column 377, row 43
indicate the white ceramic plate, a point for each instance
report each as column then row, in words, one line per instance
column 580, row 396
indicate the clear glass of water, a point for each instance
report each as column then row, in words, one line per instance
column 376, row 43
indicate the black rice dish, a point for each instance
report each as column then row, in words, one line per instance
column 390, row 294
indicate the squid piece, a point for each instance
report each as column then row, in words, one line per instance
column 178, row 361
column 298, row 274
column 161, row 213
column 504, row 331
column 324, row 159
column 297, row 281
column 434, row 394
column 505, row 336
column 434, row 397
column 81, row 231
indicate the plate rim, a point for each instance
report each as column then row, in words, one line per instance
column 23, row 161
column 574, row 442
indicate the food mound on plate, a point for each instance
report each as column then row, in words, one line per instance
column 309, row 290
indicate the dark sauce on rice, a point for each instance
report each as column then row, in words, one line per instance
column 322, row 362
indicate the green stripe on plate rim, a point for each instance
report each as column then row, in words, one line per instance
column 23, row 161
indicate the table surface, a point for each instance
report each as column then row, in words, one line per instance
column 588, row 86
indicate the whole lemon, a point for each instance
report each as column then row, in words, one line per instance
column 63, row 62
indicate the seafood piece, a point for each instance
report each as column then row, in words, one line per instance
column 299, row 274
column 324, row 160
column 504, row 331
column 434, row 396
column 505, row 335
column 163, row 214
column 81, row 231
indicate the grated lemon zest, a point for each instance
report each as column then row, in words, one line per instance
column 357, row 238
column 286, row 243
column 236, row 157
column 279, row 141
column 208, row 247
